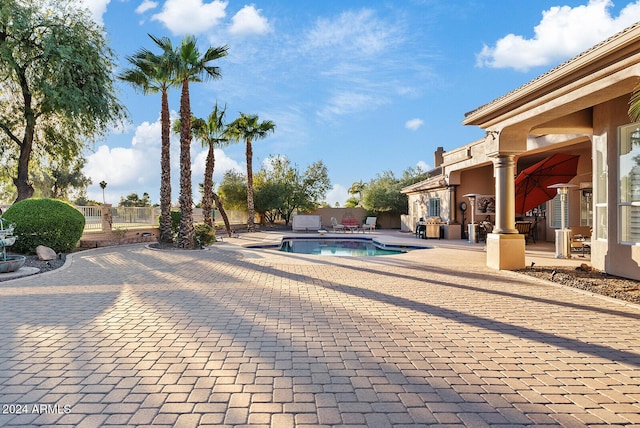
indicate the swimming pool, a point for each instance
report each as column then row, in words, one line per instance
column 350, row 247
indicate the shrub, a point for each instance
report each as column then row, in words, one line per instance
column 205, row 234
column 48, row 222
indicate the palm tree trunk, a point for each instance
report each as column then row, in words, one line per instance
column 186, row 234
column 223, row 213
column 250, row 204
column 166, row 235
column 208, row 187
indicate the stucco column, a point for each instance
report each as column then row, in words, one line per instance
column 505, row 247
column 504, row 170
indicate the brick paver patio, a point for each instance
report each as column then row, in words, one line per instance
column 131, row 336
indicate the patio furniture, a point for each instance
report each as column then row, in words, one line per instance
column 336, row 226
column 581, row 239
column 306, row 222
column 351, row 224
column 369, row 224
column 525, row 228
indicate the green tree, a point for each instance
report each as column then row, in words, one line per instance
column 191, row 66
column 356, row 189
column 212, row 134
column 133, row 200
column 152, row 74
column 248, row 128
column 383, row 193
column 233, row 188
column 281, row 189
column 55, row 80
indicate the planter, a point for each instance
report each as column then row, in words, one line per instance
column 11, row 263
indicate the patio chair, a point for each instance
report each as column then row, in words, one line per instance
column 369, row 224
column 336, row 226
column 525, row 228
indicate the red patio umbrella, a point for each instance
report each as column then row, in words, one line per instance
column 532, row 184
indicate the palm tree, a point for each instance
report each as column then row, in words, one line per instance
column 356, row 189
column 634, row 105
column 211, row 133
column 155, row 73
column 248, row 128
column 103, row 185
column 190, row 67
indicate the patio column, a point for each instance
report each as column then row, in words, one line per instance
column 504, row 170
column 505, row 247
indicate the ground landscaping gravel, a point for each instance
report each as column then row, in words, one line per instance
column 585, row 278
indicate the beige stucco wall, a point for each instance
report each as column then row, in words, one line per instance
column 609, row 255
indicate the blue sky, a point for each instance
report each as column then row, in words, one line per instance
column 365, row 86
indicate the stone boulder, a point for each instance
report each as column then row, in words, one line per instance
column 45, row 253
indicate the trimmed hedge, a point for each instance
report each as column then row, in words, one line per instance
column 43, row 221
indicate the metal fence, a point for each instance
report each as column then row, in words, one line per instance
column 125, row 217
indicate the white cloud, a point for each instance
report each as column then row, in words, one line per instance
column 358, row 32
column 424, row 166
column 136, row 169
column 414, row 124
column 146, row 5
column 348, row 103
column 249, row 21
column 97, row 8
column 337, row 194
column 562, row 33
column 191, row 16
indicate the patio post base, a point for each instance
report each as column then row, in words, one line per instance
column 505, row 251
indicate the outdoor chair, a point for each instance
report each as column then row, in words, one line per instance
column 336, row 226
column 525, row 228
column 369, row 224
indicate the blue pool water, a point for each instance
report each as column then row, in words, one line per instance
column 336, row 247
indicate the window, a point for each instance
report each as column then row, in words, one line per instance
column 434, row 207
column 629, row 196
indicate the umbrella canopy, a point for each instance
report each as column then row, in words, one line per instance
column 532, row 183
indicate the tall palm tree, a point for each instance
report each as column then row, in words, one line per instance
column 248, row 128
column 191, row 66
column 634, row 104
column 155, row 73
column 212, row 134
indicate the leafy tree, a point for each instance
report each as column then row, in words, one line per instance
column 281, row 189
column 383, row 194
column 356, row 189
column 67, row 175
column 248, row 128
column 133, row 200
column 233, row 189
column 190, row 66
column 212, row 134
column 55, row 81
column 152, row 74
column 352, row 202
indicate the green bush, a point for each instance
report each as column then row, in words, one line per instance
column 175, row 223
column 48, row 222
column 205, row 234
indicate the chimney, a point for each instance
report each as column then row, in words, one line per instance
column 438, row 158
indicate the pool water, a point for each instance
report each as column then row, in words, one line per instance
column 336, row 247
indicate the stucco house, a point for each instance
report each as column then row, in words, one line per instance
column 578, row 108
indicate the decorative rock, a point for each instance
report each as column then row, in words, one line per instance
column 45, row 253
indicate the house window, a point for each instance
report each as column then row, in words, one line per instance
column 629, row 196
column 434, row 207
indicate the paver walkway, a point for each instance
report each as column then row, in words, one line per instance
column 131, row 336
